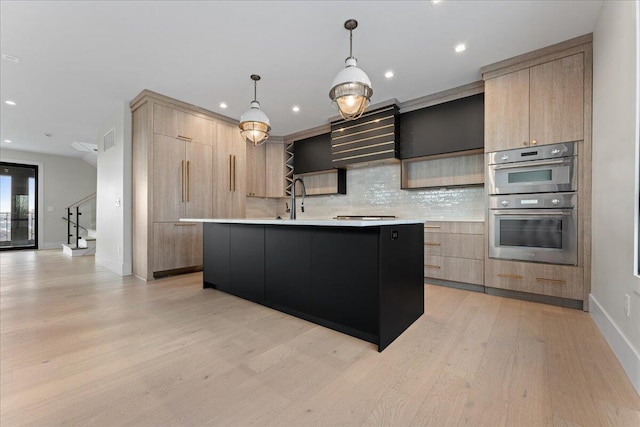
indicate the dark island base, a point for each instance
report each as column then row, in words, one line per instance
column 366, row 282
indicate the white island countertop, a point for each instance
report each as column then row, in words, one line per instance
column 315, row 222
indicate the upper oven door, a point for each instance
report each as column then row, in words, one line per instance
column 541, row 176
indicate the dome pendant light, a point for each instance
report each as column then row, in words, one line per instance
column 254, row 123
column 351, row 89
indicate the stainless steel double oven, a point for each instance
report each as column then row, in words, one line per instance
column 533, row 204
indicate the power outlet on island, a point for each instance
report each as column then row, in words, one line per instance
column 627, row 305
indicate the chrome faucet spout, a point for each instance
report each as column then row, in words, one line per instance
column 292, row 214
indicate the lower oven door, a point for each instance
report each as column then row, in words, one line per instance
column 538, row 235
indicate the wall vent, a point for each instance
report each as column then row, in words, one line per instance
column 109, row 140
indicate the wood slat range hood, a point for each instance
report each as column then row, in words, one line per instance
column 372, row 137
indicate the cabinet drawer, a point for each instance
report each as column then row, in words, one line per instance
column 545, row 279
column 185, row 126
column 458, row 227
column 454, row 245
column 454, row 269
column 177, row 245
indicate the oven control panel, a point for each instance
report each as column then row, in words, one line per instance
column 542, row 152
column 534, row 201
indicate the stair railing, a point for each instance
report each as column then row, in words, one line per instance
column 84, row 207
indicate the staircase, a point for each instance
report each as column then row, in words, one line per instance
column 86, row 245
column 81, row 237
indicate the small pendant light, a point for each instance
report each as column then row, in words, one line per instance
column 254, row 123
column 351, row 89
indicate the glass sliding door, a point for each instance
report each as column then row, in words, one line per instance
column 18, row 206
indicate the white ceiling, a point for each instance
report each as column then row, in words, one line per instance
column 80, row 60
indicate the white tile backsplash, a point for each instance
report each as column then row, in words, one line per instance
column 375, row 190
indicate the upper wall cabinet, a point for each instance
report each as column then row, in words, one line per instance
column 540, row 105
column 312, row 154
column 266, row 169
column 178, row 124
column 449, row 127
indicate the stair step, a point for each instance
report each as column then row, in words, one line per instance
column 71, row 250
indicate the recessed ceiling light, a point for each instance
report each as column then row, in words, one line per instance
column 436, row 1
column 295, row 109
column 388, row 74
column 461, row 47
column 8, row 141
column 10, row 58
column 9, row 102
column 223, row 105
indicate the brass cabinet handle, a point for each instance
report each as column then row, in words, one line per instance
column 230, row 172
column 510, row 276
column 552, row 281
column 431, row 226
column 234, row 173
column 182, row 180
column 431, row 266
column 525, row 143
column 185, row 138
column 188, row 180
column 184, row 224
column 432, row 244
column 534, row 142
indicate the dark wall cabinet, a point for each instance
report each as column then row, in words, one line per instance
column 450, row 127
column 312, row 154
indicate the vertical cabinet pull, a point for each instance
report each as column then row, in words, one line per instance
column 182, row 180
column 188, row 180
column 230, row 172
column 234, row 172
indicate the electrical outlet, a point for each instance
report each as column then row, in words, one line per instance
column 627, row 305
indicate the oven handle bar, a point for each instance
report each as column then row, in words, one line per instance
column 529, row 164
column 525, row 213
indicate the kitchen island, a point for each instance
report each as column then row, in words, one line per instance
column 362, row 278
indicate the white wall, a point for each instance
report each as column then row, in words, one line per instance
column 615, row 183
column 65, row 181
column 113, row 231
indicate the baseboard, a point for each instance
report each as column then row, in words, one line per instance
column 627, row 355
column 123, row 269
column 50, row 245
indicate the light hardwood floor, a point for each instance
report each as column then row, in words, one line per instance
column 82, row 346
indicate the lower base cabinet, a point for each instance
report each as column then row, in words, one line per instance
column 543, row 279
column 363, row 281
column 178, row 245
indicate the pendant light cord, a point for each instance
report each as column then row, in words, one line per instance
column 255, row 91
column 350, row 43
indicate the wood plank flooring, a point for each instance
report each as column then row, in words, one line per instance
column 80, row 345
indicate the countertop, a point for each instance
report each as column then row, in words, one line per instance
column 315, row 222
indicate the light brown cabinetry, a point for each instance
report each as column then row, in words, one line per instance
column 186, row 164
column 543, row 104
column 544, row 279
column 178, row 245
column 454, row 251
column 266, row 170
column 256, row 170
column 275, row 169
column 230, row 172
column 182, row 186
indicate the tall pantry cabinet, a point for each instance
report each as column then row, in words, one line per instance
column 187, row 163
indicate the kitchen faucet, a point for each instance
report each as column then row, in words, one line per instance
column 292, row 214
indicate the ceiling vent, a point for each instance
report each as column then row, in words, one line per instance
column 109, row 140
